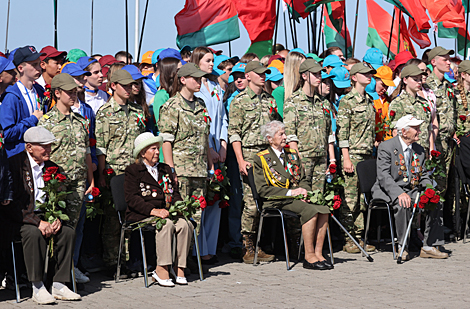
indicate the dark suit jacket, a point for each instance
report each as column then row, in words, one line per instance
column 266, row 190
column 139, row 206
column 389, row 184
column 22, row 209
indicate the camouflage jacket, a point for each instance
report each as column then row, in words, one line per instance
column 356, row 123
column 461, row 110
column 72, row 142
column 308, row 124
column 445, row 105
column 188, row 131
column 419, row 107
column 247, row 114
column 116, row 133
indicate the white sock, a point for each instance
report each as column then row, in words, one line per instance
column 427, row 248
column 37, row 285
column 58, row 285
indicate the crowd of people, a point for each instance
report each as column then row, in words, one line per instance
column 180, row 120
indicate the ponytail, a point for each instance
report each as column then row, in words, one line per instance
column 397, row 90
column 462, row 91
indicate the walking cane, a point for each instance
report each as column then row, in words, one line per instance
column 408, row 228
column 352, row 238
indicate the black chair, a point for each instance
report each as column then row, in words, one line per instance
column 279, row 213
column 464, row 180
column 367, row 174
column 120, row 204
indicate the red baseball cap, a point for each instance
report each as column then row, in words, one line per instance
column 51, row 52
column 216, row 52
column 2, row 55
column 275, row 57
column 402, row 58
column 107, row 60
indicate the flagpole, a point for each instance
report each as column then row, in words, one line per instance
column 308, row 34
column 285, row 28
column 276, row 26
column 91, row 36
column 391, row 33
column 8, row 22
column 466, row 31
column 293, row 22
column 435, row 39
column 142, row 30
column 319, row 30
column 399, row 26
column 314, row 33
column 290, row 25
column 355, row 27
column 345, row 33
column 55, row 24
column 229, row 49
column 127, row 34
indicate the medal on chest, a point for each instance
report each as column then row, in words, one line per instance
column 206, row 116
column 140, row 119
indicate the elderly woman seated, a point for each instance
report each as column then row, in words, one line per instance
column 279, row 172
column 150, row 187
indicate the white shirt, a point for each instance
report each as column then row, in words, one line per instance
column 41, row 81
column 38, row 181
column 30, row 96
column 152, row 170
column 96, row 101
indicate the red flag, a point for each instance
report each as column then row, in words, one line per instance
column 415, row 10
column 335, row 32
column 422, row 39
column 443, row 11
column 297, row 8
column 258, row 17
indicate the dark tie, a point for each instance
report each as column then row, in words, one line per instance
column 283, row 157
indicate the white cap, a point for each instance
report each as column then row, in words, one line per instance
column 39, row 135
column 143, row 140
column 407, row 121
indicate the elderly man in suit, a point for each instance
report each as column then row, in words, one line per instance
column 27, row 169
column 400, row 172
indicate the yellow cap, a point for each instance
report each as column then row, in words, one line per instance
column 278, row 65
column 147, row 57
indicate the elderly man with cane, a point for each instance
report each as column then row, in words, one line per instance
column 401, row 172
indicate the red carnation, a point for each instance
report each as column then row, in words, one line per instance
column 392, row 113
column 380, row 111
column 435, row 199
column 332, row 168
column 47, row 94
column 287, row 146
column 92, row 142
column 202, row 202
column 337, row 198
column 95, row 191
column 47, row 87
column 424, row 199
column 223, row 204
column 430, row 192
column 52, row 170
column 216, row 197
column 60, row 177
column 108, row 171
column 421, row 205
column 337, row 205
column 463, row 118
column 220, row 178
column 47, row 177
column 218, row 172
column 195, row 197
column 435, row 153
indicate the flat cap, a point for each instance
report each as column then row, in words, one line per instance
column 311, row 65
column 257, row 67
column 63, row 81
column 464, row 66
column 412, row 70
column 190, row 69
column 122, row 77
column 439, row 51
column 363, row 68
column 38, row 135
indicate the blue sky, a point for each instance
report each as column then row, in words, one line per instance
column 32, row 23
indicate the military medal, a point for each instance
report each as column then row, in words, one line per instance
column 154, row 193
column 147, row 193
column 405, row 179
column 396, row 163
column 274, row 162
column 144, row 193
column 395, row 151
column 147, row 187
column 141, row 185
column 400, row 173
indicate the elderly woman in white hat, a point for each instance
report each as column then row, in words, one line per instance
column 150, row 187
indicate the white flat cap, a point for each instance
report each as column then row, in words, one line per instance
column 39, row 135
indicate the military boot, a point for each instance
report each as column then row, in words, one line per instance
column 249, row 256
column 350, row 247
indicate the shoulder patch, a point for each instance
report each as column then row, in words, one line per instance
column 45, row 116
column 290, row 150
column 262, row 153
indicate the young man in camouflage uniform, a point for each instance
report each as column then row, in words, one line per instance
column 118, row 123
column 249, row 110
column 71, row 150
column 356, row 135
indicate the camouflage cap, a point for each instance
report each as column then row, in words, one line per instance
column 464, row 66
column 363, row 68
column 190, row 69
column 63, row 81
column 257, row 67
column 412, row 70
column 311, row 65
column 121, row 77
column 439, row 51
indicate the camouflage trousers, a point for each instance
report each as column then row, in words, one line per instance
column 111, row 235
column 446, row 147
column 353, row 207
column 74, row 201
column 197, row 186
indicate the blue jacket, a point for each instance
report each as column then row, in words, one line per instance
column 87, row 112
column 15, row 119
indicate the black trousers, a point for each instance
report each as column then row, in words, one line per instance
column 35, row 246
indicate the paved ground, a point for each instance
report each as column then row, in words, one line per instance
column 355, row 282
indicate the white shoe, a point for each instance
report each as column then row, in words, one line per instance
column 80, row 277
column 65, row 294
column 178, row 280
column 43, row 297
column 162, row 282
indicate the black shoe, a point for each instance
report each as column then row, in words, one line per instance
column 328, row 265
column 317, row 265
column 210, row 261
column 236, row 253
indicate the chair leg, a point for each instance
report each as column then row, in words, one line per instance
column 74, row 285
column 300, row 245
column 144, row 259
column 198, row 255
column 392, row 232
column 46, row 264
column 258, row 237
column 466, row 222
column 17, row 287
column 118, row 270
column 332, row 259
column 457, row 204
column 369, row 210
column 285, row 242
column 353, row 239
column 379, row 229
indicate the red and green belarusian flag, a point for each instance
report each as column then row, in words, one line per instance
column 336, row 34
column 206, row 22
column 297, row 9
column 422, row 39
column 378, row 35
column 415, row 10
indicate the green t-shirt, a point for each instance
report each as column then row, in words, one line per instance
column 278, row 95
column 160, row 98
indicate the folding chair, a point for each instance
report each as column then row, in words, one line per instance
column 279, row 213
column 367, row 174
